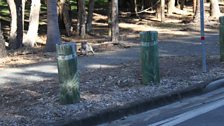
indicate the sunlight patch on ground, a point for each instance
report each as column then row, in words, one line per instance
column 97, row 66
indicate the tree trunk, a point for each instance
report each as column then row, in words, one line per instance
column 53, row 34
column 197, row 12
column 13, row 26
column 194, row 6
column 82, row 18
column 136, row 8
column 162, row 10
column 158, row 10
column 214, row 9
column 65, row 15
column 182, row 4
column 2, row 44
column 19, row 31
column 23, row 11
column 32, row 33
column 109, row 20
column 115, row 27
column 90, row 16
column 78, row 17
column 171, row 7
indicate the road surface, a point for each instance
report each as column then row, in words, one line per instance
column 203, row 110
column 182, row 46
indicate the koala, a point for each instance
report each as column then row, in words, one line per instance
column 86, row 48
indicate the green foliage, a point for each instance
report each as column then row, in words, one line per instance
column 4, row 11
column 101, row 2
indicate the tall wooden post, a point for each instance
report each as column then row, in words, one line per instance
column 149, row 57
column 221, row 38
column 68, row 75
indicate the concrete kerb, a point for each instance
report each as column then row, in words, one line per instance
column 214, row 85
column 144, row 104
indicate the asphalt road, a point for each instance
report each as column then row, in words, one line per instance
column 182, row 46
column 203, row 110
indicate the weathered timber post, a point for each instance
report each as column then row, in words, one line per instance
column 221, row 38
column 149, row 57
column 67, row 71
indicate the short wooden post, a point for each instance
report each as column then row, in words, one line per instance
column 67, row 71
column 221, row 38
column 149, row 57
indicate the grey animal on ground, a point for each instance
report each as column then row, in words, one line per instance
column 86, row 48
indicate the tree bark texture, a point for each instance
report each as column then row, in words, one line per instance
column 90, row 16
column 160, row 11
column 19, row 31
column 13, row 25
column 82, row 18
column 2, row 44
column 197, row 12
column 65, row 15
column 136, row 8
column 109, row 20
column 194, row 6
column 162, row 4
column 214, row 9
column 182, row 3
column 171, row 7
column 53, row 34
column 32, row 33
column 23, row 10
column 115, row 27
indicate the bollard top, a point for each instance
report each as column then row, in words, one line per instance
column 66, row 48
column 149, row 36
column 221, row 19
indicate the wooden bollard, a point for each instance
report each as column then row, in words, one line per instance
column 67, row 71
column 221, row 38
column 149, row 57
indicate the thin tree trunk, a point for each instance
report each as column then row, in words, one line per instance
column 197, row 12
column 13, row 26
column 194, row 6
column 171, row 7
column 23, row 11
column 182, row 4
column 162, row 10
column 115, row 27
column 136, row 8
column 2, row 44
column 65, row 16
column 214, row 9
column 19, row 32
column 109, row 20
column 82, row 18
column 53, row 33
column 90, row 16
column 32, row 33
column 142, row 5
column 78, row 17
